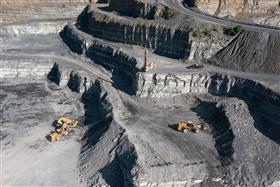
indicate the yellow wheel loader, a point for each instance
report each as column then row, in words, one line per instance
column 189, row 127
column 63, row 126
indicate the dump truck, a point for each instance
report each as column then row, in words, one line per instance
column 189, row 127
column 62, row 127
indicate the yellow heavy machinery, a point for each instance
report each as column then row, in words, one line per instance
column 189, row 127
column 62, row 127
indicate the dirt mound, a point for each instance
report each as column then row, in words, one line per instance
column 251, row 52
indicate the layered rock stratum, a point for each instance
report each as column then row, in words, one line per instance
column 19, row 11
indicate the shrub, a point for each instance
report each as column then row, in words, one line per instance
column 232, row 31
column 204, row 32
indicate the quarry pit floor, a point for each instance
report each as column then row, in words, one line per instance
column 29, row 107
column 28, row 158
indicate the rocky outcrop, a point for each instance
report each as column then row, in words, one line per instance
column 104, row 53
column 171, row 41
column 206, row 41
column 168, row 85
column 235, row 7
column 272, row 20
column 251, row 52
column 243, row 10
column 172, row 38
column 75, row 81
column 141, row 8
column 55, row 74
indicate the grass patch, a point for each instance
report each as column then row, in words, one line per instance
column 232, row 31
column 203, row 32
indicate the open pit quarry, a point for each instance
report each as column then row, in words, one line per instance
column 129, row 71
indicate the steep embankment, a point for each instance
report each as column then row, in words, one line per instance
column 251, row 52
column 144, row 9
column 164, row 37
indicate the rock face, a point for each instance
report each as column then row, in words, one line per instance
column 142, row 8
column 75, row 82
column 258, row 11
column 204, row 46
column 251, row 51
column 160, row 37
column 165, row 85
column 235, row 7
column 268, row 20
column 171, row 37
column 104, row 53
column 55, row 74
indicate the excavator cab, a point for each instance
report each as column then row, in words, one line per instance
column 62, row 121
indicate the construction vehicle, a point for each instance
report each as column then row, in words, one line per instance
column 62, row 127
column 189, row 127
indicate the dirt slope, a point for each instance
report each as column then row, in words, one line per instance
column 251, row 52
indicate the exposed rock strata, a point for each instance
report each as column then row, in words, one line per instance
column 142, row 8
column 18, row 11
column 109, row 56
column 11, row 69
column 18, row 31
column 171, row 38
column 235, row 7
column 267, row 11
column 171, row 41
column 169, row 84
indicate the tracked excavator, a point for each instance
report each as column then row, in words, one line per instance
column 189, row 127
column 62, row 127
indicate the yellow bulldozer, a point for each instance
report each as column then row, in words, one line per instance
column 189, row 127
column 62, row 127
